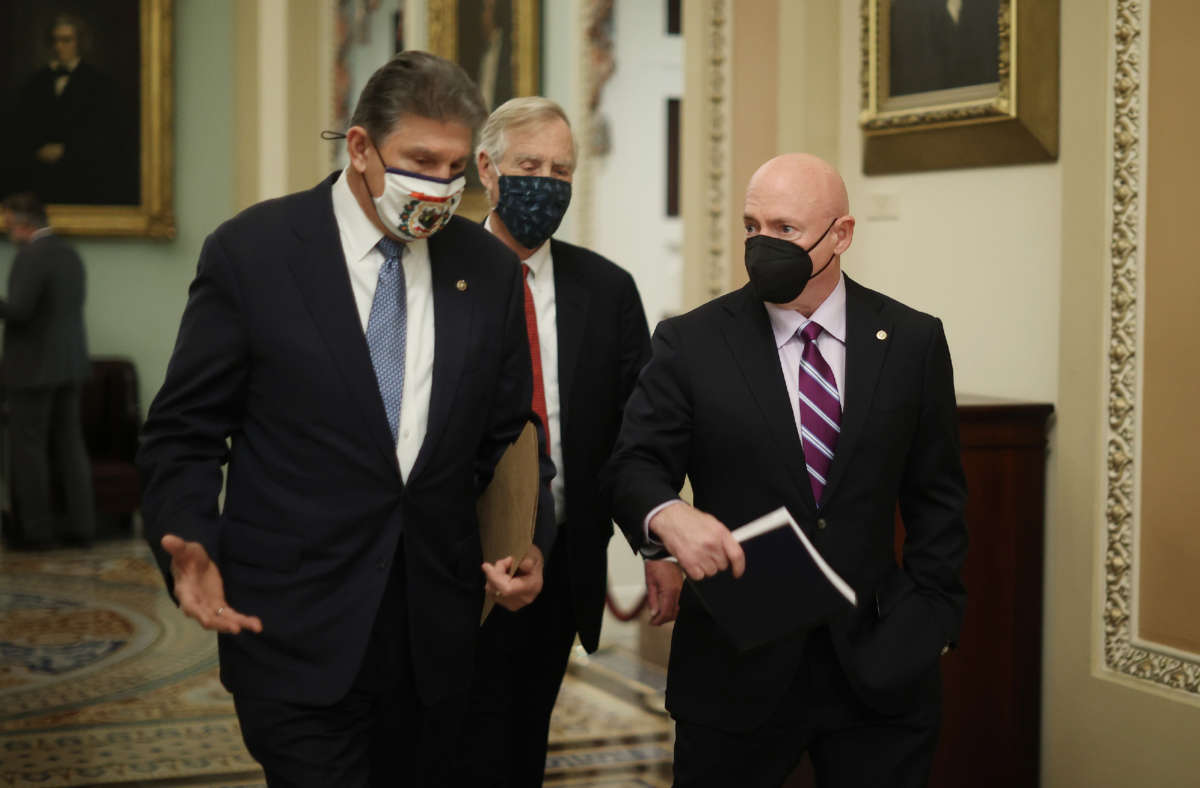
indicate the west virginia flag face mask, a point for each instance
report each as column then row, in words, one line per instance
column 415, row 206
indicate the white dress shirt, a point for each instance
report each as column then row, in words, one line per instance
column 786, row 325
column 363, row 261
column 954, row 8
column 541, row 284
column 60, row 82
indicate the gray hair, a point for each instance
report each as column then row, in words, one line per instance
column 420, row 84
column 515, row 113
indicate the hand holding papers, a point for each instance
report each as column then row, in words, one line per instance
column 788, row 585
column 701, row 543
column 507, row 513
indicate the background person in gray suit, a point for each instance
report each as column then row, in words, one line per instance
column 44, row 365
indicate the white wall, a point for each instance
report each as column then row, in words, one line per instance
column 627, row 212
column 562, row 81
column 630, row 225
column 979, row 248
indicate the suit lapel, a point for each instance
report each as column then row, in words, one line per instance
column 452, row 317
column 571, row 304
column 865, row 353
column 320, row 271
column 752, row 343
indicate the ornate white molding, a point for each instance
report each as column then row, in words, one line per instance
column 718, row 160
column 1121, row 461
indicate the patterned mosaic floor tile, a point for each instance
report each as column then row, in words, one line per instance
column 102, row 681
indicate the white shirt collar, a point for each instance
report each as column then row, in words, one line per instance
column 41, row 232
column 536, row 261
column 359, row 235
column 830, row 315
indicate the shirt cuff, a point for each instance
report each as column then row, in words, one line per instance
column 654, row 548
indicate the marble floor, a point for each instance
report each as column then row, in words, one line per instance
column 103, row 682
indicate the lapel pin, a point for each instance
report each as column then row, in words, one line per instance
column 461, row 285
column 880, row 334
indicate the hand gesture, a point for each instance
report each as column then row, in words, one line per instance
column 700, row 542
column 200, row 591
column 514, row 593
column 664, row 581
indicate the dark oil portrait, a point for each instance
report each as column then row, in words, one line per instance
column 69, row 84
column 942, row 44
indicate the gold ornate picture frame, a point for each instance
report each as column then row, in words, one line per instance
column 130, row 189
column 498, row 42
column 1126, row 651
column 963, row 110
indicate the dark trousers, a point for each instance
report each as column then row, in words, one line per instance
column 380, row 734
column 850, row 745
column 519, row 667
column 47, row 440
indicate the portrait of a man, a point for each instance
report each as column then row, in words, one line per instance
column 70, row 78
column 942, row 44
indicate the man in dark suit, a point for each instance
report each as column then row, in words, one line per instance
column 586, row 321
column 941, row 44
column 804, row 390
column 364, row 354
column 44, row 366
column 69, row 115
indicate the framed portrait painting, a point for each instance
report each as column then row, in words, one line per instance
column 958, row 83
column 86, row 105
column 497, row 42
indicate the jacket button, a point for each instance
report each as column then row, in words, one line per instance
column 821, row 524
column 382, row 565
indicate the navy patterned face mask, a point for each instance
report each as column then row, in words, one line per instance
column 532, row 206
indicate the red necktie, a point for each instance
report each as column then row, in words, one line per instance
column 535, row 356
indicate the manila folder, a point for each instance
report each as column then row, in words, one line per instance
column 507, row 509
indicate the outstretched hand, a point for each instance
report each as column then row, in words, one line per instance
column 200, row 590
column 514, row 593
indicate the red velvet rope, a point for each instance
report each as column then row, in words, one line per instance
column 621, row 615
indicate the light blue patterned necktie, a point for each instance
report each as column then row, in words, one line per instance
column 387, row 329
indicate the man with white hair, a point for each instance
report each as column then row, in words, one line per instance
column 588, row 340
column 803, row 389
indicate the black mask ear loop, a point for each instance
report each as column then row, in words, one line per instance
column 818, row 243
column 341, row 135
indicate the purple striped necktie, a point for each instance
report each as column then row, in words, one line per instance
column 820, row 410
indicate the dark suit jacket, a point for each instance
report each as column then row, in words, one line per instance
column 930, row 52
column 712, row 404
column 91, row 120
column 271, row 354
column 603, row 343
column 44, row 340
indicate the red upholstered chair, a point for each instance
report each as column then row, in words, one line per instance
column 111, row 421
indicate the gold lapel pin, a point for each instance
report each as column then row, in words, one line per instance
column 461, row 284
column 880, row 334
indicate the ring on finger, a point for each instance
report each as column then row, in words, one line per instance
column 220, row 610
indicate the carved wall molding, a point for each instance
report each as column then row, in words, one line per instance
column 718, row 160
column 1121, row 654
